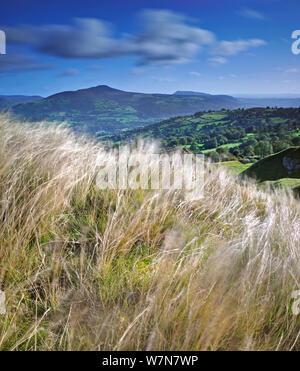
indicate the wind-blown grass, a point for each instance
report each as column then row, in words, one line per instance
column 90, row 269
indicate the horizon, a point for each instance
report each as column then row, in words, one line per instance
column 151, row 47
column 238, row 95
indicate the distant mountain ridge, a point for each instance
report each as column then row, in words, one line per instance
column 7, row 101
column 105, row 109
column 284, row 101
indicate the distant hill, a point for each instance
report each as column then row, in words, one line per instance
column 254, row 102
column 7, row 101
column 102, row 109
column 285, row 164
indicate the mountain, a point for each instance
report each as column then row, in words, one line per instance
column 282, row 165
column 102, row 109
column 7, row 101
column 284, row 101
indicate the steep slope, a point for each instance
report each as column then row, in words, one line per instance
column 285, row 164
column 104, row 109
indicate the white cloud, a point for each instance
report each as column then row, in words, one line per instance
column 292, row 70
column 194, row 73
column 166, row 38
column 251, row 13
column 215, row 61
column 235, row 47
column 226, row 77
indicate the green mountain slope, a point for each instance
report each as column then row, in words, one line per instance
column 102, row 109
column 285, row 164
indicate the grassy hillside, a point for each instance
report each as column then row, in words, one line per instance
column 85, row 269
column 285, row 164
column 249, row 134
column 105, row 110
column 235, row 167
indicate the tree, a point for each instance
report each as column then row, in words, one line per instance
column 263, row 149
column 211, row 143
column 194, row 147
column 278, row 145
column 248, row 151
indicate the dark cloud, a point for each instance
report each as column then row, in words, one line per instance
column 20, row 63
column 166, row 38
column 86, row 38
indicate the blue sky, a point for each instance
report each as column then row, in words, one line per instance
column 214, row 46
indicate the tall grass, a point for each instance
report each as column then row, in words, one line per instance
column 90, row 269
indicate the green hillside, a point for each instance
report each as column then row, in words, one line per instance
column 92, row 269
column 235, row 167
column 102, row 109
column 285, row 164
column 248, row 134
